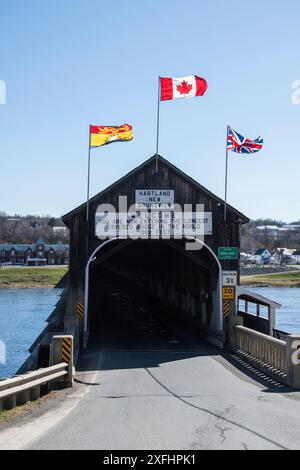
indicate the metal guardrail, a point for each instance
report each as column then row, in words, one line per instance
column 266, row 352
column 24, row 388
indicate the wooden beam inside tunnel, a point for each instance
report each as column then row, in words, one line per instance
column 120, row 245
column 115, row 249
column 196, row 259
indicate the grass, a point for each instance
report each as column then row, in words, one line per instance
column 10, row 416
column 290, row 279
column 25, row 277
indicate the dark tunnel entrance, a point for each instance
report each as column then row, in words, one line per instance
column 153, row 294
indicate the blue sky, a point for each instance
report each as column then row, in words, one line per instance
column 68, row 64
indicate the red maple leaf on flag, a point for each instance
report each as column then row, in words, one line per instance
column 184, row 88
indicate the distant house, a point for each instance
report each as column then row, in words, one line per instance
column 262, row 256
column 284, row 255
column 38, row 253
column 296, row 256
column 244, row 257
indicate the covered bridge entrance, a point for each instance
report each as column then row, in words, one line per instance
column 143, row 284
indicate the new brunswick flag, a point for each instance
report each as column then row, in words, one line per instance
column 102, row 135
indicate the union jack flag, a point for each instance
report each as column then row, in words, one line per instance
column 238, row 143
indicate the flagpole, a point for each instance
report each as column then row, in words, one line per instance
column 226, row 182
column 88, row 178
column 157, row 123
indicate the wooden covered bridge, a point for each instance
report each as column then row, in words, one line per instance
column 187, row 281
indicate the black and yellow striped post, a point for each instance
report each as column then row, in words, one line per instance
column 80, row 310
column 80, row 315
column 226, row 308
column 66, row 350
column 61, row 350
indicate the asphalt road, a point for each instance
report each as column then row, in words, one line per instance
column 168, row 395
column 174, row 400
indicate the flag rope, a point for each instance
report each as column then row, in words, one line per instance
column 226, row 177
column 157, row 124
column 88, row 178
column 226, row 190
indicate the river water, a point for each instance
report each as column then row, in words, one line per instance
column 288, row 317
column 23, row 314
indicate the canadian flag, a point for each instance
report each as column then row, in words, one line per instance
column 184, row 87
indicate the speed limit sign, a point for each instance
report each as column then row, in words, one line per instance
column 228, row 293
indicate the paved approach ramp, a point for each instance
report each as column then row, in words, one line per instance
column 174, row 400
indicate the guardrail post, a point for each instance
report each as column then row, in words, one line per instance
column 35, row 393
column 9, row 403
column 23, row 397
column 293, row 360
column 61, row 350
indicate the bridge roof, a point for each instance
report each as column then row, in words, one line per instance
column 183, row 175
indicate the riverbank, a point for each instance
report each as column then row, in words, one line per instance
column 255, row 270
column 286, row 279
column 49, row 276
column 31, row 277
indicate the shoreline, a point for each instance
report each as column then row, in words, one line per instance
column 284, row 279
column 31, row 277
column 40, row 278
column 270, row 285
column 27, row 286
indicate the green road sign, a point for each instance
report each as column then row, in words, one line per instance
column 228, row 252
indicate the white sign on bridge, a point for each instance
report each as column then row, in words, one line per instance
column 153, row 224
column 229, row 278
column 154, row 214
column 154, row 198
